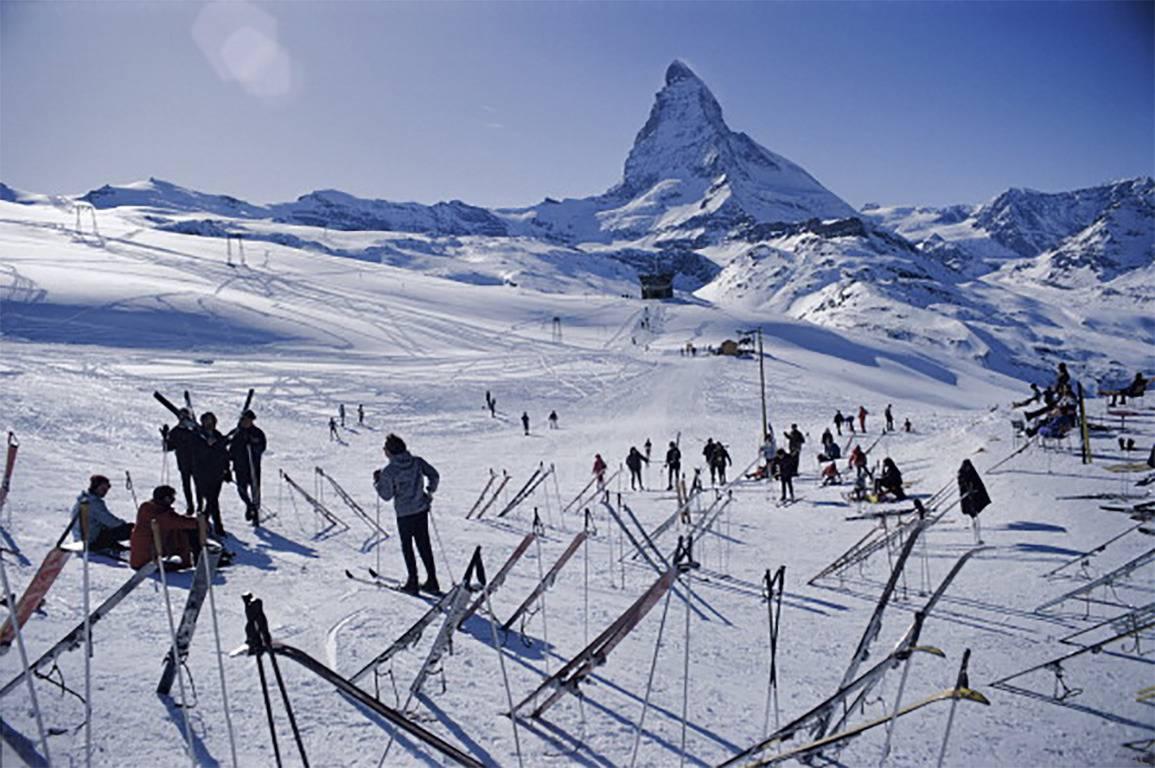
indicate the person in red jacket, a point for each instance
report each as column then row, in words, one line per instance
column 862, row 414
column 857, row 461
column 600, row 469
column 178, row 533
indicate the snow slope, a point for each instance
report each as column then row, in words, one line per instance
column 92, row 323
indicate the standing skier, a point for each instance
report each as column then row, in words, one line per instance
column 862, row 414
column 787, row 464
column 795, row 440
column 708, row 455
column 333, row 435
column 182, row 440
column 246, row 445
column 599, row 470
column 673, row 465
column 838, row 419
column 634, row 462
column 721, row 459
column 105, row 530
column 212, row 468
column 857, row 461
column 647, row 447
column 553, row 419
column 410, row 482
column 525, row 422
column 889, row 419
column 360, row 414
column 341, row 413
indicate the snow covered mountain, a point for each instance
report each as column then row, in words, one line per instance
column 1017, row 283
column 686, row 174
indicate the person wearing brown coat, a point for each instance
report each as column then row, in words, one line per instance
column 178, row 533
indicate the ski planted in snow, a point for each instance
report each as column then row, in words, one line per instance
column 357, row 509
column 73, row 639
column 188, row 620
column 34, row 593
column 9, row 467
column 317, row 506
column 492, row 585
column 547, row 581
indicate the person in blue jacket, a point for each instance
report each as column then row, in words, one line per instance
column 106, row 531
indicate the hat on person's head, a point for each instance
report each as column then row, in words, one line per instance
column 394, row 445
column 96, row 481
column 207, row 415
column 163, row 494
column 248, row 415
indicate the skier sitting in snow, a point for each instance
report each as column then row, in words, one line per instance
column 105, row 530
column 831, row 475
column 857, row 461
column 890, row 480
column 178, row 533
column 410, row 482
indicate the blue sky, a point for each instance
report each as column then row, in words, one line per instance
column 505, row 103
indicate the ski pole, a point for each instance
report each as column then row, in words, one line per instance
column 649, row 681
column 128, row 486
column 504, row 675
column 87, row 638
column 24, row 658
column 440, row 545
column 202, row 530
column 256, row 647
column 266, row 638
column 158, row 543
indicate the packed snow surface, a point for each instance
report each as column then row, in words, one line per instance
column 95, row 321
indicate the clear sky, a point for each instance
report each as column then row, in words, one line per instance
column 504, row 103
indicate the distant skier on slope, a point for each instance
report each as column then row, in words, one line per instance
column 634, row 462
column 553, row 419
column 106, row 531
column 673, row 465
column 889, row 418
column 838, row 421
column 525, row 422
column 721, row 458
column 599, row 470
column 786, row 465
column 410, row 482
column 333, row 434
column 708, row 455
column 862, row 414
column 341, row 413
column 360, row 414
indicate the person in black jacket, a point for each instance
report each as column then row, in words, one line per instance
column 795, row 440
column 890, row 480
column 973, row 496
column 673, row 465
column 182, row 440
column 246, row 445
column 720, row 458
column 787, row 467
column 634, row 462
column 211, row 469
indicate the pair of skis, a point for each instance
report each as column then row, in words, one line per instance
column 196, row 597
column 318, row 507
column 536, row 479
column 352, row 504
column 481, row 497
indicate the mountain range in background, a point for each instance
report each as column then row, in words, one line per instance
column 1019, row 283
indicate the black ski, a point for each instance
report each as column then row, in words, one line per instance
column 188, row 621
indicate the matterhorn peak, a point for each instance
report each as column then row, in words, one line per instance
column 678, row 70
column 687, row 151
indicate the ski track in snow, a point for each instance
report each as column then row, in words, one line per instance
column 419, row 353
